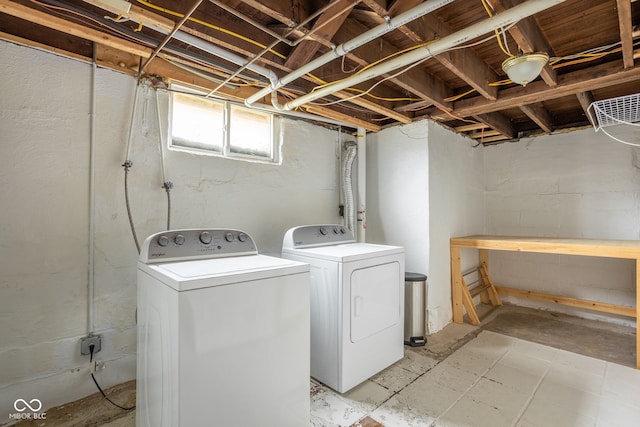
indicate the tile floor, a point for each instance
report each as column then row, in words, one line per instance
column 492, row 380
column 465, row 377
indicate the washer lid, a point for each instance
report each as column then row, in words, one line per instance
column 347, row 252
column 196, row 274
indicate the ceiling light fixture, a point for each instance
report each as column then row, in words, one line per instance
column 524, row 68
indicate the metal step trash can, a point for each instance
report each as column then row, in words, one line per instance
column 415, row 300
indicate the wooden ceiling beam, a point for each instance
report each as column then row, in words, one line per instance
column 539, row 114
column 465, row 63
column 471, row 127
column 585, row 99
column 499, row 122
column 596, row 77
column 328, row 23
column 336, row 115
column 414, row 81
column 411, row 29
column 626, row 31
column 278, row 10
column 72, row 28
column 529, row 38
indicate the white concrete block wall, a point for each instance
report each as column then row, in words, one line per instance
column 398, row 192
column 44, row 185
column 424, row 186
column 578, row 184
column 456, row 208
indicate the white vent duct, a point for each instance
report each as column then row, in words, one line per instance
column 510, row 16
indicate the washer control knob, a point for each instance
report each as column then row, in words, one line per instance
column 163, row 241
column 342, row 231
column 228, row 237
column 323, row 231
column 205, row 237
column 336, row 230
column 242, row 237
column 179, row 239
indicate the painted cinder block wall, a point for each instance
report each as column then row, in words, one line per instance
column 579, row 184
column 44, row 220
column 424, row 185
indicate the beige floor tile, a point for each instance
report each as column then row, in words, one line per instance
column 471, row 413
column 366, row 396
column 543, row 413
column 397, row 413
column 416, row 361
column 570, row 399
column 518, row 378
column 394, row 378
column 616, row 413
column 510, row 402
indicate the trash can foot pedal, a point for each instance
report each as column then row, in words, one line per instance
column 416, row 342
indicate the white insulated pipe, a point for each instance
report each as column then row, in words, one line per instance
column 346, row 47
column 224, row 54
column 361, row 141
column 508, row 17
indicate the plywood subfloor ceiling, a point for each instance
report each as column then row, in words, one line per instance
column 236, row 48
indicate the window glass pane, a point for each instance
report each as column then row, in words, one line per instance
column 197, row 123
column 250, row 132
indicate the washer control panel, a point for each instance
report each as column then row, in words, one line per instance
column 189, row 244
column 317, row 235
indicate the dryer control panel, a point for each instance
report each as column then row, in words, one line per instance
column 317, row 235
column 190, row 244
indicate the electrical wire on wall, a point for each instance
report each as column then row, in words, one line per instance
column 128, row 164
column 148, row 82
column 166, row 184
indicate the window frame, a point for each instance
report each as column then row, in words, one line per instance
column 275, row 140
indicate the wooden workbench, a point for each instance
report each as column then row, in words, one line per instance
column 628, row 249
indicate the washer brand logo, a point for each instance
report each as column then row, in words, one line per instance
column 34, row 405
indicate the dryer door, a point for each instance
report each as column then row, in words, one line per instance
column 375, row 300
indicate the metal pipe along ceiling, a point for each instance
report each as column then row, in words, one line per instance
column 341, row 50
column 503, row 19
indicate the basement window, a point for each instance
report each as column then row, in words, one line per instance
column 220, row 128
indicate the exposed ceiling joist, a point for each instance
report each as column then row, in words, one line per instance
column 539, row 114
column 626, row 30
column 298, row 32
column 598, row 76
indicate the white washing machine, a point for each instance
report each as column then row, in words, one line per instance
column 357, row 303
column 223, row 333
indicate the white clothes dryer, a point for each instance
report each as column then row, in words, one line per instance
column 223, row 333
column 357, row 303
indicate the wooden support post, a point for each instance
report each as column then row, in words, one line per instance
column 456, row 285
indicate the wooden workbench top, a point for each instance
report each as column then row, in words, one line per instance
column 589, row 247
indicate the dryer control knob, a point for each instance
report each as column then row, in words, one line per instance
column 336, row 230
column 242, row 237
column 205, row 237
column 163, row 240
column 179, row 239
column 323, row 231
column 228, row 237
